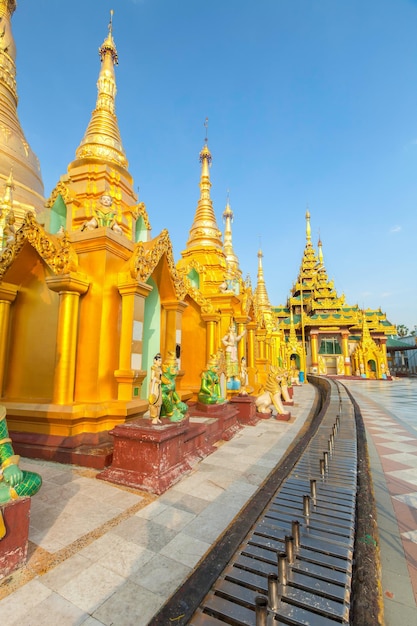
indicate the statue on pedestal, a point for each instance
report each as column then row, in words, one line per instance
column 14, row 482
column 210, row 392
column 155, row 392
column 230, row 340
column 271, row 395
column 172, row 406
column 243, row 377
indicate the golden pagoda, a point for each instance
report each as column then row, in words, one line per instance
column 16, row 156
column 83, row 311
column 324, row 335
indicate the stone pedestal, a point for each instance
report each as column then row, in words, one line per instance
column 226, row 416
column 153, row 457
column 246, row 409
column 14, row 545
column 147, row 456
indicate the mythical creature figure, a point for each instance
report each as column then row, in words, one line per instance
column 210, row 392
column 172, row 406
column 271, row 395
column 14, row 482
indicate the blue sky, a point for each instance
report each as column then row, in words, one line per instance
column 310, row 103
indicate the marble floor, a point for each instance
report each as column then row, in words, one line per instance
column 103, row 554
column 391, row 427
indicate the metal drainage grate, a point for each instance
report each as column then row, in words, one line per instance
column 295, row 566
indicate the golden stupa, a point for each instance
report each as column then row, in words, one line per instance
column 84, row 310
column 16, row 156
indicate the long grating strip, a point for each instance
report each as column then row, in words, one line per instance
column 295, row 566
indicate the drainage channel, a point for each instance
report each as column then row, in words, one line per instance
column 295, row 565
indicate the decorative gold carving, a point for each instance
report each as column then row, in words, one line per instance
column 196, row 295
column 146, row 257
column 57, row 252
column 61, row 189
column 140, row 211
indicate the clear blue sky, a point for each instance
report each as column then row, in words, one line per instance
column 310, row 102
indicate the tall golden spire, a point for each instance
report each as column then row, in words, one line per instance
column 15, row 151
column 263, row 307
column 204, row 231
column 102, row 137
column 231, row 258
column 261, row 292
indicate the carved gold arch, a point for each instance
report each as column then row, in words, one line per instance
column 61, row 189
column 146, row 257
column 205, row 305
column 55, row 251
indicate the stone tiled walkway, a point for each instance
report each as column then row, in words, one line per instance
column 393, row 453
column 103, row 554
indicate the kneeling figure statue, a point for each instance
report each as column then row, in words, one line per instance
column 210, row 392
column 172, row 406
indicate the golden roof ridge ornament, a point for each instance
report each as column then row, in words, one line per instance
column 205, row 232
column 102, row 138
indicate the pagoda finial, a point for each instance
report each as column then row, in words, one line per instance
column 320, row 252
column 102, row 137
column 206, row 127
column 308, row 227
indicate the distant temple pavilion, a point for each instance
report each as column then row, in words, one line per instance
column 324, row 335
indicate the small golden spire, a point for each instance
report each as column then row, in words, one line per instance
column 204, row 231
column 231, row 258
column 102, row 137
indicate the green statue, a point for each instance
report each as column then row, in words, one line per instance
column 210, row 392
column 14, row 482
column 172, row 406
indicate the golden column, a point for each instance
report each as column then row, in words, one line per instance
column 7, row 296
column 345, row 350
column 69, row 287
column 314, row 337
column 133, row 296
column 174, row 310
column 211, row 327
column 251, row 344
column 241, row 346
